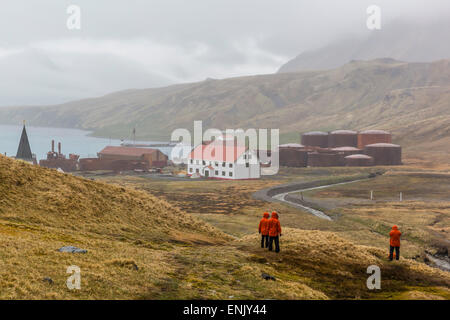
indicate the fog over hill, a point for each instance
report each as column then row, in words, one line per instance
column 410, row 99
column 401, row 40
column 148, row 44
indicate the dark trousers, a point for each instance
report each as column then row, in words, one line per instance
column 264, row 241
column 277, row 243
column 391, row 253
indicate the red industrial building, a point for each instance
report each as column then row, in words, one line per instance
column 125, row 159
column 373, row 136
column 154, row 157
column 57, row 160
column 95, row 164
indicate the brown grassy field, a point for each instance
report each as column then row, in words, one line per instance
column 141, row 247
column 229, row 206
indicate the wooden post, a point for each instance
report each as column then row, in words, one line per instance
column 401, row 196
column 371, row 194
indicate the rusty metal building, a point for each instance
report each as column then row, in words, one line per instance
column 154, row 157
column 373, row 136
column 343, row 138
column 386, row 154
column 358, row 160
column 315, row 139
column 292, row 155
column 95, row 164
column 57, row 160
column 322, row 159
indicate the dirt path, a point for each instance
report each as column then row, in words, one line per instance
column 282, row 193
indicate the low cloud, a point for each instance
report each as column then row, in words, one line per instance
column 142, row 43
column 52, row 72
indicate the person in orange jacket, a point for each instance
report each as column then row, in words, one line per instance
column 395, row 235
column 274, row 232
column 264, row 230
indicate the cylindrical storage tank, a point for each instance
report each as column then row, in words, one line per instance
column 316, row 159
column 373, row 136
column 384, row 154
column 347, row 150
column 315, row 139
column 293, row 157
column 343, row 138
column 359, row 160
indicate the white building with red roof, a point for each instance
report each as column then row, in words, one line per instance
column 221, row 160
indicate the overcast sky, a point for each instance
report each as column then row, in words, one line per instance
column 126, row 44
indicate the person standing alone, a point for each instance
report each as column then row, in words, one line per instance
column 274, row 232
column 264, row 230
column 395, row 235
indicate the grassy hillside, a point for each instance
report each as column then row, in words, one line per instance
column 127, row 234
column 140, row 247
column 411, row 99
column 36, row 196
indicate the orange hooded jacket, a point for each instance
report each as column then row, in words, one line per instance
column 395, row 235
column 264, row 225
column 274, row 225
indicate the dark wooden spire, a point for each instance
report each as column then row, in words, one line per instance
column 24, row 151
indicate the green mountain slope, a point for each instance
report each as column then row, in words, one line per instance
column 383, row 93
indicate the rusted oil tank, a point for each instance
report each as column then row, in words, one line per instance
column 346, row 151
column 343, row 138
column 317, row 159
column 315, row 139
column 384, row 154
column 292, row 155
column 373, row 136
column 358, row 160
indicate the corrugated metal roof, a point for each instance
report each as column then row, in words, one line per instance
column 126, row 151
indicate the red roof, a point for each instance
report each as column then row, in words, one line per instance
column 217, row 152
column 126, row 151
